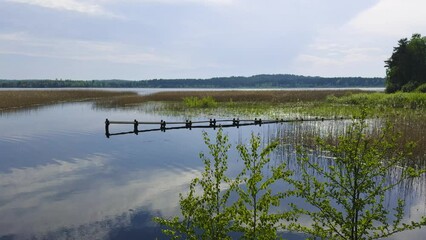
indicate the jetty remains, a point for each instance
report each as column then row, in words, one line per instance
column 162, row 125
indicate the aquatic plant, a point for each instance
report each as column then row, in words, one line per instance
column 196, row 102
column 415, row 100
column 349, row 196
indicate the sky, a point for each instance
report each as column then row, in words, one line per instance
column 151, row 39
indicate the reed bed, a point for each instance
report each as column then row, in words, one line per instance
column 273, row 96
column 270, row 96
column 10, row 100
column 414, row 100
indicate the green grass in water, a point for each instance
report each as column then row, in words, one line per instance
column 415, row 100
column 196, row 102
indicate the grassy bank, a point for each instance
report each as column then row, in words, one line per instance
column 12, row 100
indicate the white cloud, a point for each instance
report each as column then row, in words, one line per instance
column 206, row 38
column 339, row 55
column 392, row 18
column 12, row 36
column 202, row 2
column 68, row 5
column 360, row 46
column 27, row 45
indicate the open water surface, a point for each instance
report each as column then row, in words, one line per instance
column 61, row 178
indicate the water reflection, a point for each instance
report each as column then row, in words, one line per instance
column 60, row 178
column 81, row 192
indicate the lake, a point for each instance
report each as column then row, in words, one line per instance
column 61, row 178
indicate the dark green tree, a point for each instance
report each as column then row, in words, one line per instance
column 406, row 68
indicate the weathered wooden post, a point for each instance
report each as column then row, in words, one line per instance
column 258, row 121
column 188, row 124
column 213, row 123
column 135, row 127
column 163, row 126
column 107, row 128
column 236, row 122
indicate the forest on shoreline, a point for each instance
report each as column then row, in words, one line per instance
column 257, row 81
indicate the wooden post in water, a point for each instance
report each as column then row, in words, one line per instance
column 258, row 121
column 236, row 122
column 188, row 124
column 107, row 128
column 135, row 127
column 213, row 123
column 163, row 126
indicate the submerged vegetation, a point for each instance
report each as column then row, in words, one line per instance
column 345, row 187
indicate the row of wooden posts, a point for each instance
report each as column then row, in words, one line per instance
column 211, row 123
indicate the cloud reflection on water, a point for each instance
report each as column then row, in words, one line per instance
column 79, row 192
column 60, row 178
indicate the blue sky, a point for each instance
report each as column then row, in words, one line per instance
column 146, row 39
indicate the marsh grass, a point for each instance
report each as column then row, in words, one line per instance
column 409, row 128
column 196, row 102
column 231, row 98
column 269, row 103
column 272, row 96
column 415, row 100
column 20, row 99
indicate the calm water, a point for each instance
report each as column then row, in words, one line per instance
column 61, row 178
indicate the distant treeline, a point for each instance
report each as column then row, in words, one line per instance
column 257, row 81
